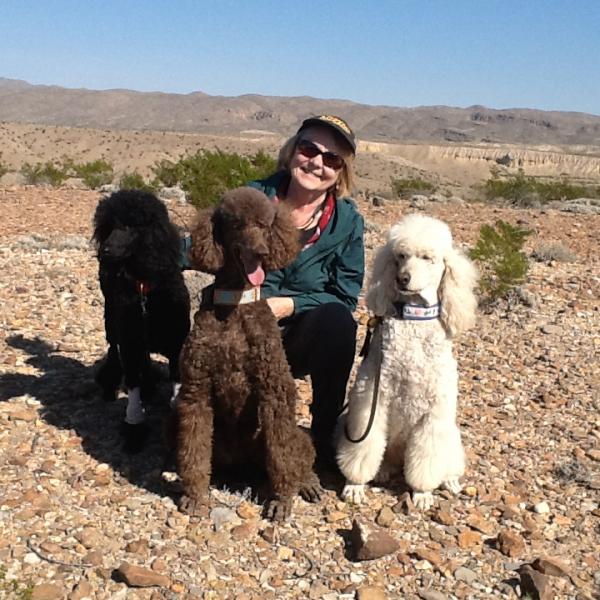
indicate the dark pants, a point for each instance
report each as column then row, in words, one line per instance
column 321, row 343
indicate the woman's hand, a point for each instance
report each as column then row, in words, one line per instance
column 281, row 306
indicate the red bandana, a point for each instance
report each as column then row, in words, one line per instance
column 328, row 210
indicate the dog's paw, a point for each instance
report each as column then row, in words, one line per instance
column 279, row 509
column 311, row 490
column 194, row 507
column 354, row 493
column 452, row 485
column 423, row 500
column 135, row 437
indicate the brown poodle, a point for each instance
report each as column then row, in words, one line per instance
column 237, row 400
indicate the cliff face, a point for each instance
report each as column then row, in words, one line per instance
column 551, row 161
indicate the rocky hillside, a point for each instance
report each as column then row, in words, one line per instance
column 201, row 113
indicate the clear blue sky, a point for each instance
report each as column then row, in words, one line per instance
column 499, row 53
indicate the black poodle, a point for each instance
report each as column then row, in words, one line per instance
column 147, row 304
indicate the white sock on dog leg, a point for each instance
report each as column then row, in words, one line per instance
column 135, row 413
column 173, row 400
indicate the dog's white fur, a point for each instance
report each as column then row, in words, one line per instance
column 415, row 420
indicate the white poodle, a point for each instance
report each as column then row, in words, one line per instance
column 402, row 408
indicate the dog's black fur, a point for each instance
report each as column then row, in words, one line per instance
column 147, row 304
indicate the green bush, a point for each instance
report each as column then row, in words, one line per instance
column 204, row 176
column 44, row 173
column 207, row 174
column 167, row 173
column 521, row 189
column 403, row 188
column 94, row 174
column 503, row 264
column 134, row 181
column 556, row 251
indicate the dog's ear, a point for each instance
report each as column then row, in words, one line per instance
column 380, row 289
column 104, row 221
column 284, row 240
column 457, row 293
column 207, row 252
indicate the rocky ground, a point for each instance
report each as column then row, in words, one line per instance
column 80, row 519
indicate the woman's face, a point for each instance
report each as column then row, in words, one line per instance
column 311, row 173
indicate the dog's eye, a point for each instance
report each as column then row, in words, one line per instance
column 400, row 257
column 427, row 258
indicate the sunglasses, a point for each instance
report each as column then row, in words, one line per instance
column 330, row 159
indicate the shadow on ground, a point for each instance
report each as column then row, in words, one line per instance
column 70, row 399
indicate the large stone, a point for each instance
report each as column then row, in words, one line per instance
column 370, row 592
column 429, row 555
column 47, row 591
column 370, row 541
column 404, row 505
column 468, row 538
column 478, row 523
column 385, row 517
column 535, row 584
column 511, row 544
column 135, row 576
column 466, row 575
column 82, row 590
column 551, row 566
column 432, row 595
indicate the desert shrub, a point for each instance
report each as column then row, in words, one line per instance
column 95, row 173
column 44, row 173
column 263, row 163
column 134, row 181
column 407, row 186
column 502, row 262
column 167, row 173
column 207, row 174
column 522, row 190
column 556, row 251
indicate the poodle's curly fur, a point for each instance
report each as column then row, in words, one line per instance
column 146, row 302
column 237, row 399
column 412, row 365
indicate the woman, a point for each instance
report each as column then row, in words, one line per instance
column 314, row 297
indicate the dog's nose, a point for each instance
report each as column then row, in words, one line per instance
column 404, row 279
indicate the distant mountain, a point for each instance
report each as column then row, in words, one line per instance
column 198, row 112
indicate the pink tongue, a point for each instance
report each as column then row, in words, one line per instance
column 254, row 272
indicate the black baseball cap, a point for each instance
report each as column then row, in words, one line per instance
column 336, row 123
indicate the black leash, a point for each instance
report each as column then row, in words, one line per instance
column 372, row 324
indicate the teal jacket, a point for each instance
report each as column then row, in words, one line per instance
column 331, row 270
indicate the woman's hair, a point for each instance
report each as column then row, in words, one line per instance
column 345, row 180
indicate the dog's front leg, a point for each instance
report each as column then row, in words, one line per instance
column 194, row 445
column 289, row 456
column 109, row 374
column 361, row 443
column 434, row 456
column 133, row 358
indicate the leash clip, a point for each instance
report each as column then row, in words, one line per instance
column 143, row 289
column 371, row 324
